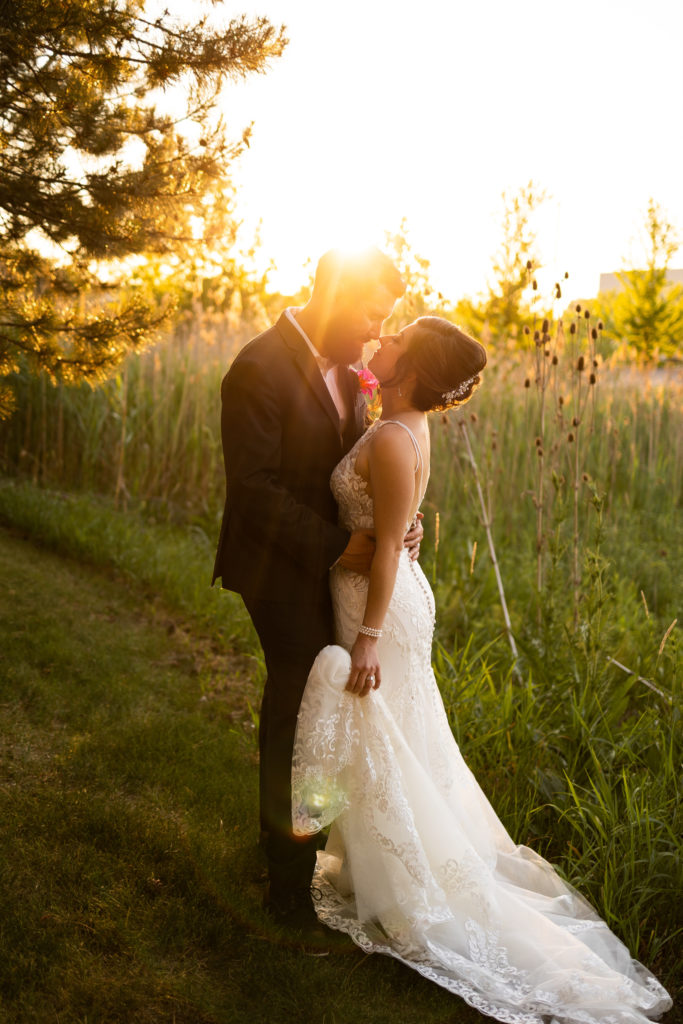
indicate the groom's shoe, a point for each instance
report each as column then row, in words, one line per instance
column 294, row 912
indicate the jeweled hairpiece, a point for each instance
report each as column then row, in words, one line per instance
column 457, row 393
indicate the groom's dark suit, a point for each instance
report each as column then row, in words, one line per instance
column 279, row 537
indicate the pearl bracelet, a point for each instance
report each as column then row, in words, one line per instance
column 369, row 631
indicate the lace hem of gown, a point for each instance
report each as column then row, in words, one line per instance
column 418, row 867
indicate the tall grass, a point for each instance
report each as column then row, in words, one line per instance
column 151, row 433
column 151, row 436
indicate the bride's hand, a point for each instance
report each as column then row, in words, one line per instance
column 365, row 669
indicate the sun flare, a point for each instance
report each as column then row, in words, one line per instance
column 352, row 138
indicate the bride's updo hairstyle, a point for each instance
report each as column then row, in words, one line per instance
column 446, row 363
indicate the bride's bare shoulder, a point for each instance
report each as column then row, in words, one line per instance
column 391, row 445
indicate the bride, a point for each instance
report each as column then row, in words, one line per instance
column 417, row 865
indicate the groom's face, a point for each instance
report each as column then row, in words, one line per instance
column 354, row 321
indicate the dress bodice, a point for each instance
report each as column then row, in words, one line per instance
column 411, row 610
column 356, row 510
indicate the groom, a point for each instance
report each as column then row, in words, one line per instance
column 291, row 408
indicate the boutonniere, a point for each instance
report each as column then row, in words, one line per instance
column 368, row 382
column 369, row 386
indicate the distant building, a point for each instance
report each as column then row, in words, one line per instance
column 611, row 283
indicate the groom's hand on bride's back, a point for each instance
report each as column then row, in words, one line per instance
column 414, row 536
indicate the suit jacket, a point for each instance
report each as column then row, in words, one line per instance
column 281, row 440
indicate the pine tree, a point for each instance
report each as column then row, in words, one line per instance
column 95, row 173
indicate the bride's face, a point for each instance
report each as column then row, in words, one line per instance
column 392, row 347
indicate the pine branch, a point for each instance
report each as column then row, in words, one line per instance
column 81, row 77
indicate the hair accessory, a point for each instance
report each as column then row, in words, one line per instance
column 459, row 392
column 369, row 631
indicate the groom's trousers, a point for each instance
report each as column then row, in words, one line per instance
column 291, row 636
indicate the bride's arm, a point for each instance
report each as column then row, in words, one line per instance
column 392, row 478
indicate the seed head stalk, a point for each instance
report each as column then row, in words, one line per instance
column 583, row 365
column 486, row 521
column 576, row 574
column 436, row 546
column 541, row 381
column 543, row 372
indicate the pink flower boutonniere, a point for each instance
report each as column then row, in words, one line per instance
column 368, row 382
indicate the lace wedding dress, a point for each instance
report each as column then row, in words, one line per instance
column 417, row 865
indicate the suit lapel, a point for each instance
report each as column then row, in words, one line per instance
column 305, row 360
column 355, row 403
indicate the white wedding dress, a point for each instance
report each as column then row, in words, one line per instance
column 417, row 865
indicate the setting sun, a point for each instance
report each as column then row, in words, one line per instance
column 389, row 111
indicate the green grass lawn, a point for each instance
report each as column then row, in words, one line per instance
column 130, row 880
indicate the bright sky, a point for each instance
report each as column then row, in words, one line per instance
column 384, row 109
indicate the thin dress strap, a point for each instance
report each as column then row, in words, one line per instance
column 418, row 461
column 418, row 453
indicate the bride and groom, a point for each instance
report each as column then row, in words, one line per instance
column 319, row 536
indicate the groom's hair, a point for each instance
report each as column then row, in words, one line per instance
column 344, row 274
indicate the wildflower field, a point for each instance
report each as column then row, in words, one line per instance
column 553, row 541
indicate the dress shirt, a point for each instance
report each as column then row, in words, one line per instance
column 328, row 369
